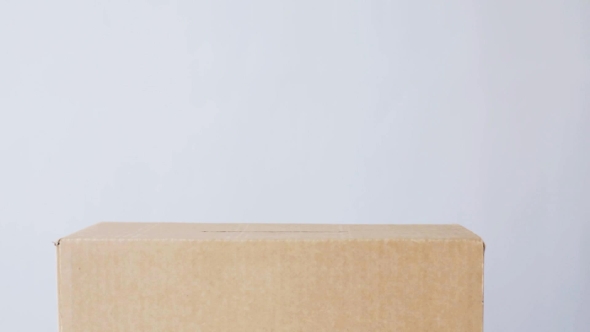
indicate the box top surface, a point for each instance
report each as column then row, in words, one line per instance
column 122, row 231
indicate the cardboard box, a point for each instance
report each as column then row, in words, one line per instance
column 176, row 277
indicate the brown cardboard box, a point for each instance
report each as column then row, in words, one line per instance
column 175, row 277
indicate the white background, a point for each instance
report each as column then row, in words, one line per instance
column 470, row 112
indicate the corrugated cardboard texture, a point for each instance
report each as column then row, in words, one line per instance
column 174, row 277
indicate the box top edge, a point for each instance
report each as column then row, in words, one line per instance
column 172, row 231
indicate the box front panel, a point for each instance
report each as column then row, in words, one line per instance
column 335, row 285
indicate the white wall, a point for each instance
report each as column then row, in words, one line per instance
column 302, row 111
